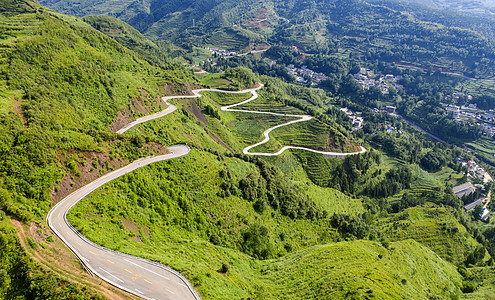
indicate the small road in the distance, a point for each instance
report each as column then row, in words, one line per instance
column 434, row 137
column 266, row 133
column 138, row 276
column 143, row 278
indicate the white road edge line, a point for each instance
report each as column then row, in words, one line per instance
column 139, row 291
column 111, row 274
column 84, row 191
column 266, row 133
column 146, row 269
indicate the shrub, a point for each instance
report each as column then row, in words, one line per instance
column 225, row 268
column 469, row 287
column 215, row 239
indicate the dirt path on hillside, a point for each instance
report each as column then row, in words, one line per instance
column 55, row 257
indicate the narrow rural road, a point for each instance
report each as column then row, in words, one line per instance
column 266, row 133
column 170, row 109
column 434, row 137
column 141, row 277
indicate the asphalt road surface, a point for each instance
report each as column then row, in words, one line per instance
column 266, row 133
column 171, row 108
column 143, row 278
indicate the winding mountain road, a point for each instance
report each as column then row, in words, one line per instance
column 141, row 277
column 266, row 133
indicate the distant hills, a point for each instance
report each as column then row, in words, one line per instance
column 387, row 31
column 299, row 226
column 477, row 7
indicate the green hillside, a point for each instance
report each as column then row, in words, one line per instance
column 62, row 87
column 289, row 227
column 335, row 27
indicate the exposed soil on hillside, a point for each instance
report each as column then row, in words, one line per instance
column 17, row 109
column 260, row 21
column 121, row 120
column 141, row 106
column 346, row 146
column 111, row 30
column 53, row 255
column 219, row 140
column 93, row 165
column 193, row 108
column 129, row 225
column 146, row 105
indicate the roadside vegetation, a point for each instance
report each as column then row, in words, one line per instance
column 383, row 224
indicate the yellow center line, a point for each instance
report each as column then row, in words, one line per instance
column 148, row 281
column 128, row 271
column 110, row 261
column 92, row 252
column 78, row 243
column 170, row 291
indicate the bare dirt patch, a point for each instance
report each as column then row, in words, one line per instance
column 219, row 140
column 344, row 146
column 19, row 112
column 93, row 165
column 54, row 256
column 146, row 105
column 111, row 30
column 140, row 106
column 260, row 20
column 193, row 108
column 132, row 227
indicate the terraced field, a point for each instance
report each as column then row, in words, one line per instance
column 435, row 227
column 12, row 30
column 227, row 40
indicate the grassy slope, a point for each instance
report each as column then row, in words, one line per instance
column 435, row 227
column 165, row 233
column 168, row 213
column 61, row 86
column 362, row 269
column 79, row 82
column 249, row 127
column 355, row 26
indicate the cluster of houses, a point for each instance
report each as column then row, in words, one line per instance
column 456, row 96
column 368, row 79
column 220, row 52
column 357, row 120
column 468, row 188
column 465, row 189
column 304, row 72
column 484, row 118
column 475, row 170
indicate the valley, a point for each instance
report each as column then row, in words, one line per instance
column 233, row 150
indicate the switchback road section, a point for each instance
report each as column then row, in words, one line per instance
column 143, row 278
